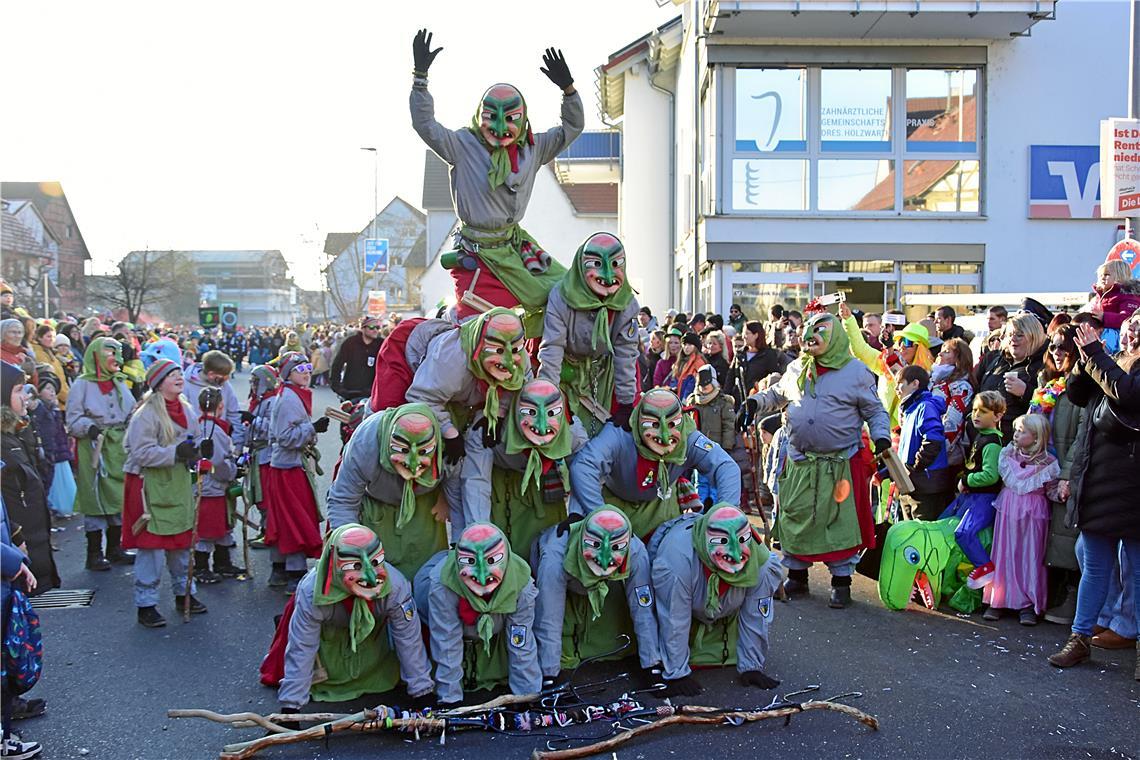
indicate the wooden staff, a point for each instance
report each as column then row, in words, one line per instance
column 193, row 543
column 691, row 714
column 365, row 720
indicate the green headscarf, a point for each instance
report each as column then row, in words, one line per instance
column 574, row 563
column 471, row 337
column 835, row 356
column 505, row 598
column 500, row 156
column 678, row 454
column 94, row 366
column 431, row 476
column 558, row 448
column 329, row 587
column 747, row 576
column 576, row 291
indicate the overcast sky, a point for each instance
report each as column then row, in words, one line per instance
column 229, row 125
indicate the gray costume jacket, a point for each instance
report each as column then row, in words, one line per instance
column 679, row 583
column 610, row 459
column 475, row 202
column 479, row 462
column 87, row 406
column 568, row 332
column 259, row 431
column 831, row 418
column 305, row 637
column 554, row 582
column 290, row 430
column 360, row 473
column 141, row 442
column 448, row 632
column 224, row 469
column 196, row 381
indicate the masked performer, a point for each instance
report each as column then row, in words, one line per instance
column 713, row 568
column 577, row 615
column 390, row 480
column 97, row 410
column 334, row 641
column 589, row 337
column 639, row 471
column 521, row 483
column 480, row 603
column 158, row 500
column 264, row 385
column 494, row 163
column 825, row 504
column 293, row 518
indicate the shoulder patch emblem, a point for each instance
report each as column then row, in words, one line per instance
column 409, row 609
column 765, row 607
column 644, row 595
column 707, row 445
column 518, row 636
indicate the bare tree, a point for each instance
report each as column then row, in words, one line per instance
column 160, row 281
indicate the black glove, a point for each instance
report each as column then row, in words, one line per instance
column 490, row 439
column 246, row 418
column 556, row 69
column 292, row 725
column 422, row 52
column 94, row 432
column 881, row 445
column 759, row 679
column 747, row 413
column 186, row 452
column 206, row 448
column 687, row 686
column 565, row 524
column 321, row 425
column 453, row 449
column 620, row 417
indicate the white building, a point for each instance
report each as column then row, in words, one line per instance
column 882, row 147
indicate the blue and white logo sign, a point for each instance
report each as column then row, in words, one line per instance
column 1064, row 182
column 376, row 255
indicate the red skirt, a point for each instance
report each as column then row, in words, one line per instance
column 132, row 511
column 213, row 518
column 393, row 375
column 292, row 518
column 862, row 468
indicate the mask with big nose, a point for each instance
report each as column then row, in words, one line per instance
column 605, row 541
column 482, row 555
column 658, row 420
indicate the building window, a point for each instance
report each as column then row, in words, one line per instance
column 873, row 141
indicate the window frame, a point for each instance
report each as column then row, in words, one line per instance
column 898, row 154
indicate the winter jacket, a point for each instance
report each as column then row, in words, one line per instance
column 1118, row 303
column 223, row 468
column 48, row 423
column 1027, row 371
column 49, row 357
column 142, row 442
column 1065, row 428
column 11, row 558
column 290, row 430
column 646, row 364
column 956, row 331
column 1105, row 469
column 716, row 419
column 661, row 371
column 87, row 406
column 25, row 499
column 746, row 372
column 354, row 367
column 922, row 442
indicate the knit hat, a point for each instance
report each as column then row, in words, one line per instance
column 10, row 377
column 159, row 372
column 289, row 362
column 688, row 498
column 914, row 332
column 692, row 339
column 62, row 340
column 5, row 287
column 44, row 376
column 771, row 424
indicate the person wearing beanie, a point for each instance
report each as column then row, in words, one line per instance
column 264, row 385
column 97, row 410
column 214, row 371
column 589, row 335
column 22, row 486
column 293, row 518
column 217, row 508
column 47, row 419
column 646, row 319
column 158, row 492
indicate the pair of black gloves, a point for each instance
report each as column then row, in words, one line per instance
column 554, row 63
column 455, row 449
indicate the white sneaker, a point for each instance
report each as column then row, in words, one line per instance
column 14, row 749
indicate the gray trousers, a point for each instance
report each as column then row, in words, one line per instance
column 209, row 546
column 293, row 562
column 100, row 522
column 148, row 574
column 839, row 568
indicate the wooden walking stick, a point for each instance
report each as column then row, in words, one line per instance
column 193, row 541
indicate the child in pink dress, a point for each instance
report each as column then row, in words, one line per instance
column 1022, row 524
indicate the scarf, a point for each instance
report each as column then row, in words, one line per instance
column 575, row 564
column 676, row 456
column 503, row 601
column 747, row 577
column 177, row 412
column 556, row 451
column 471, row 342
column 330, row 589
column 835, row 356
column 305, row 394
column 95, row 369
column 431, row 476
column 578, row 296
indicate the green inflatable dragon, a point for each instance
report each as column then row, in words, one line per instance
column 924, row 555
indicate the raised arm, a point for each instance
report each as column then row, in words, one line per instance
column 443, row 141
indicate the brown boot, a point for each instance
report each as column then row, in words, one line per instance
column 1075, row 651
column 1110, row 639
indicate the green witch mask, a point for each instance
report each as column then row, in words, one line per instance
column 729, row 539
column 817, row 335
column 413, row 443
column 502, row 116
column 356, row 563
column 539, row 412
column 605, row 541
column 500, row 350
column 603, row 264
column 482, row 555
column 660, row 420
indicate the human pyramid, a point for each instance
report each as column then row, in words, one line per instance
column 569, row 489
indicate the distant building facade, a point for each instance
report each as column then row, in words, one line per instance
column 40, row 210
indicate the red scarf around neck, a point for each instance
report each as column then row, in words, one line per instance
column 177, row 412
column 306, row 396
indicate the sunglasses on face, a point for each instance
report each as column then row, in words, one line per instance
column 905, row 343
column 1058, row 348
column 303, row 368
column 371, row 327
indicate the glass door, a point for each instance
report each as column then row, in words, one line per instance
column 870, row 286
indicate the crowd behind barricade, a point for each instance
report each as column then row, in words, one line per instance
column 1016, row 447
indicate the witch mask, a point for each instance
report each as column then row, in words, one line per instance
column 660, row 417
column 501, row 351
column 729, row 538
column 358, row 562
column 482, row 556
column 817, row 334
column 413, row 443
column 502, row 116
column 605, row 541
column 540, row 411
column 603, row 264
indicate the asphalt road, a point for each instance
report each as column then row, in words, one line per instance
column 942, row 685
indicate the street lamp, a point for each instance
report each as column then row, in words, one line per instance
column 375, row 187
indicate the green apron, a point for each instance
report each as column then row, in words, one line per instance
column 372, row 669
column 521, row 515
column 100, row 494
column 714, row 644
column 583, row 638
column 809, row 520
column 482, row 670
column 588, row 378
column 645, row 516
column 169, row 494
column 251, row 485
column 502, row 256
column 409, row 547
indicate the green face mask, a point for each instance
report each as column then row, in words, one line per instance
column 539, row 412
column 602, row 264
column 729, row 539
column 659, row 422
column 482, row 555
column 502, row 116
column 728, row 548
column 605, row 542
column 352, row 565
